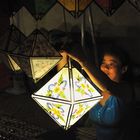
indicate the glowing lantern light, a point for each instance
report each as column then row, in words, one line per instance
column 67, row 96
column 75, row 7
column 36, row 56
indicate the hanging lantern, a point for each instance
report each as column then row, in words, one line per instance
column 135, row 3
column 67, row 96
column 10, row 42
column 36, row 56
column 38, row 8
column 109, row 6
column 75, row 7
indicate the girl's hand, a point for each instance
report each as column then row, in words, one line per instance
column 74, row 51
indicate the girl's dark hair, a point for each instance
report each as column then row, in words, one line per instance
column 121, row 55
column 117, row 52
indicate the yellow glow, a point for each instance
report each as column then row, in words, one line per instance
column 41, row 66
column 72, row 5
column 64, row 105
column 13, row 64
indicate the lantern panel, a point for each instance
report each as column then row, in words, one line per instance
column 82, row 87
column 57, row 87
column 75, row 7
column 58, row 111
column 22, row 16
column 37, row 45
column 64, row 113
column 10, row 43
column 80, row 109
column 13, row 64
column 38, row 8
column 109, row 6
column 41, row 66
column 12, row 39
column 23, row 63
column 135, row 3
column 9, row 62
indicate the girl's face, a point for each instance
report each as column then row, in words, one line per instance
column 111, row 66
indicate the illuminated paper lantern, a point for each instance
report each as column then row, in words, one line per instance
column 75, row 7
column 67, row 97
column 36, row 56
column 10, row 42
column 135, row 3
column 109, row 6
column 38, row 8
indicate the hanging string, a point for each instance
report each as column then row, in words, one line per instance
column 66, row 30
column 82, row 32
column 83, row 37
column 71, row 83
column 65, row 23
column 90, row 17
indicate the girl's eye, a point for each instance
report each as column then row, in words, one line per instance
column 111, row 65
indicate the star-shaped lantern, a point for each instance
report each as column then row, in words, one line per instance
column 67, row 96
column 109, row 6
column 36, row 57
column 75, row 7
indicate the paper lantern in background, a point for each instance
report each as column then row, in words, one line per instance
column 136, row 4
column 36, row 57
column 75, row 7
column 67, row 96
column 109, row 6
column 10, row 43
column 38, row 8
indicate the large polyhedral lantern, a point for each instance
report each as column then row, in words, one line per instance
column 67, row 96
column 75, row 7
column 109, row 6
column 36, row 57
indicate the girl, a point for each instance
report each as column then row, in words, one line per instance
column 113, row 114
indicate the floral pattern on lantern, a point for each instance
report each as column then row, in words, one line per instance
column 67, row 97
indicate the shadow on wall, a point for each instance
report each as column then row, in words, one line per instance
column 107, row 29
